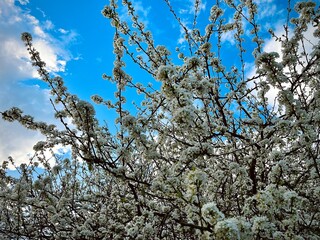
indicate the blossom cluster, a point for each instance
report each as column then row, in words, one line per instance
column 205, row 156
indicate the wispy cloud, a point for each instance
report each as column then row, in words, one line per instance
column 228, row 37
column 23, row 2
column 192, row 7
column 141, row 10
column 267, row 8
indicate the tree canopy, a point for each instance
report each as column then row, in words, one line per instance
column 208, row 155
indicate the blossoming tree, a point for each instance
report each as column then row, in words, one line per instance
column 206, row 156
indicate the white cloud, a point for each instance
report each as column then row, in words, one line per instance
column 140, row 9
column 23, row 2
column 201, row 6
column 15, row 140
column 228, row 37
column 187, row 11
column 42, row 12
column 49, row 53
column 48, row 25
column 39, row 32
column 63, row 31
column 267, row 8
column 182, row 39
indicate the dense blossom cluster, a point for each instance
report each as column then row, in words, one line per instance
column 205, row 157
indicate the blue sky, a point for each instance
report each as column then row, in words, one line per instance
column 75, row 40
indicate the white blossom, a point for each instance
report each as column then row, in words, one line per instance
column 205, row 155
